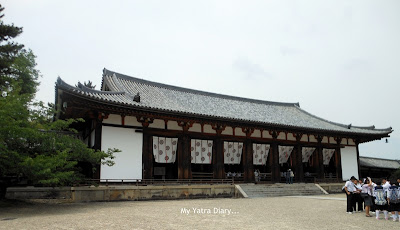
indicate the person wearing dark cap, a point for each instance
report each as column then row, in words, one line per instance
column 350, row 188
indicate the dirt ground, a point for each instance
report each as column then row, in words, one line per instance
column 316, row 212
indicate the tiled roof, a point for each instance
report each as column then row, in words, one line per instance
column 371, row 162
column 167, row 98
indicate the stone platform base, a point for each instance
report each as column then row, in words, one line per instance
column 124, row 192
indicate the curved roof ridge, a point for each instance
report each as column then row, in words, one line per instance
column 344, row 125
column 377, row 158
column 61, row 82
column 193, row 91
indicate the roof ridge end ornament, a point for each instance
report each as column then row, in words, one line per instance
column 349, row 126
column 135, row 98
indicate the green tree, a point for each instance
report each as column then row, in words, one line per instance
column 88, row 84
column 8, row 49
column 32, row 145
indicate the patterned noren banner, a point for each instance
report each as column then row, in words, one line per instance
column 201, row 151
column 284, row 153
column 164, row 149
column 260, row 153
column 327, row 155
column 306, row 153
column 232, row 152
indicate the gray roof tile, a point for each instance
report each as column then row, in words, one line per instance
column 379, row 163
column 187, row 101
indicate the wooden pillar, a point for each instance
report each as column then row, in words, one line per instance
column 147, row 156
column 218, row 154
column 320, row 158
column 248, row 167
column 298, row 173
column 184, row 156
column 275, row 167
column 98, row 130
column 147, row 148
column 358, row 160
column 338, row 160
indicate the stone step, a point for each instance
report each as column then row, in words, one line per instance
column 256, row 190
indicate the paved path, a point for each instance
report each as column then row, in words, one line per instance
column 255, row 213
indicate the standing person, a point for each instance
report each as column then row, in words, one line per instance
column 357, row 197
column 380, row 202
column 366, row 193
column 385, row 184
column 373, row 197
column 257, row 175
column 394, row 201
column 398, row 182
column 350, row 189
column 287, row 176
column 291, row 174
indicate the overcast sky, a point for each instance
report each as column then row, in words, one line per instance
column 339, row 59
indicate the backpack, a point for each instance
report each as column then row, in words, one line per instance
column 394, row 196
column 380, row 198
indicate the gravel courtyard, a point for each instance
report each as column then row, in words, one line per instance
column 256, row 213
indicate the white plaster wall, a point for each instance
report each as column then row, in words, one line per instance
column 227, row 131
column 113, row 119
column 313, row 139
column 344, row 141
column 349, row 162
column 157, row 124
column 196, row 127
column 128, row 162
column 208, row 129
column 266, row 134
column 282, row 136
column 239, row 132
column 324, row 140
column 129, row 120
column 256, row 133
column 304, row 138
column 351, row 142
column 173, row 125
column 332, row 140
column 291, row 137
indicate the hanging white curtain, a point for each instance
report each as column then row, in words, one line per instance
column 164, row 149
column 232, row 152
column 284, row 153
column 327, row 155
column 260, row 154
column 201, row 151
column 306, row 153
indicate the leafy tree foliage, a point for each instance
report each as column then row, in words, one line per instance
column 88, row 84
column 8, row 49
column 32, row 145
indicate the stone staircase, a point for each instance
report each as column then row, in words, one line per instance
column 273, row 190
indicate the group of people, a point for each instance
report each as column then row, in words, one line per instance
column 289, row 175
column 383, row 197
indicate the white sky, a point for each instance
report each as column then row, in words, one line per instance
column 339, row 59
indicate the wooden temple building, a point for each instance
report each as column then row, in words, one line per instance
column 169, row 132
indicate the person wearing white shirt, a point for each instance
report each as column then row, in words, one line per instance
column 367, row 193
column 385, row 184
column 350, row 188
column 357, row 197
